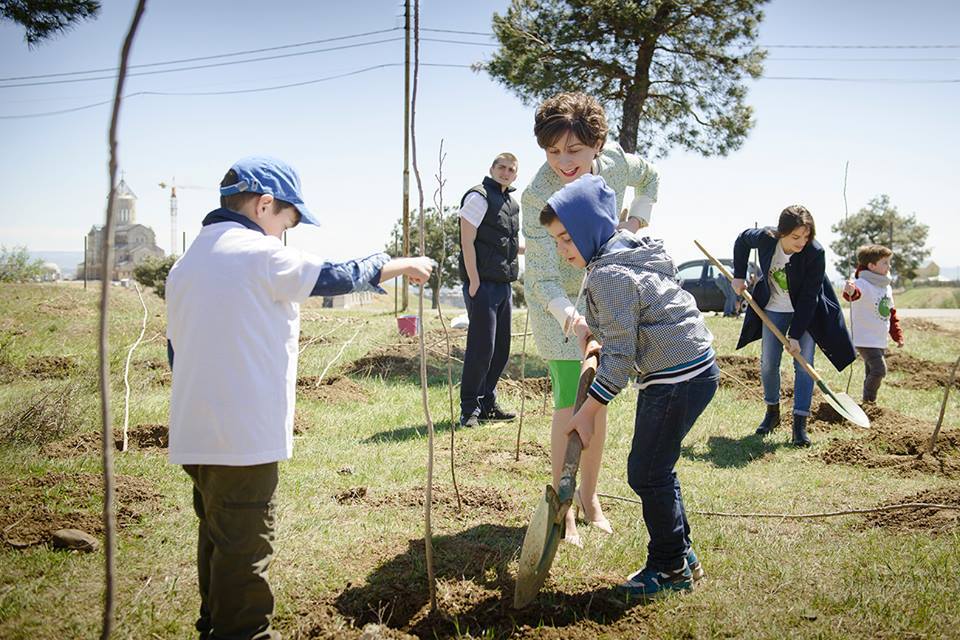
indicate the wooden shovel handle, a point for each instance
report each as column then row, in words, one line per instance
column 763, row 316
column 571, row 459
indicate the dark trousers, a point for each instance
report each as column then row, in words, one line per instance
column 488, row 345
column 665, row 413
column 875, row 367
column 236, row 509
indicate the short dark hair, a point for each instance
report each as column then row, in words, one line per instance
column 796, row 215
column 576, row 113
column 237, row 201
column 871, row 253
column 548, row 215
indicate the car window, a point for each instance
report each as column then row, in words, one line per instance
column 691, row 272
column 712, row 272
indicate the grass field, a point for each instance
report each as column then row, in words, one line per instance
column 350, row 548
column 929, row 298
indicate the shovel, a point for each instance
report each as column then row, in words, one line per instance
column 546, row 527
column 843, row 403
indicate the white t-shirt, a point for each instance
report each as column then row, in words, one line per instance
column 233, row 318
column 474, row 208
column 871, row 312
column 777, row 279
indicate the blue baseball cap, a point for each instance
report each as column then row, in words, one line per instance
column 263, row 174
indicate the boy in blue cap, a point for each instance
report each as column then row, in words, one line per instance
column 650, row 327
column 233, row 328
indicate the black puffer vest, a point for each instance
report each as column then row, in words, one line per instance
column 497, row 240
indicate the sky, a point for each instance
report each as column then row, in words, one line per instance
column 898, row 131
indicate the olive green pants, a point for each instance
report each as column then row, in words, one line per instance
column 236, row 509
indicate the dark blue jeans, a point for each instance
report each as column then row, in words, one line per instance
column 665, row 413
column 488, row 345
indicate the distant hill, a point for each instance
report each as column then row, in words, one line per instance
column 929, row 298
column 66, row 260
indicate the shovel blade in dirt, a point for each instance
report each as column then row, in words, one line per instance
column 539, row 548
column 844, row 404
column 546, row 527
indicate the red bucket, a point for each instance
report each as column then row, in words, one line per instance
column 407, row 325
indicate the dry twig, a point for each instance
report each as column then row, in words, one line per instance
column 428, row 497
column 109, row 509
column 126, row 371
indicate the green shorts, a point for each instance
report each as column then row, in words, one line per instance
column 565, row 378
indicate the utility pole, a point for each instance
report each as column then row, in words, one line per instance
column 406, row 143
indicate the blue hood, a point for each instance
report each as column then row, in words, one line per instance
column 587, row 207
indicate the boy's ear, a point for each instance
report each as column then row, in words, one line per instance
column 264, row 203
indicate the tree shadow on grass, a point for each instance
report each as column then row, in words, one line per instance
column 727, row 453
column 401, row 434
column 476, row 592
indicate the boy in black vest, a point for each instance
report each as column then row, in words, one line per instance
column 489, row 244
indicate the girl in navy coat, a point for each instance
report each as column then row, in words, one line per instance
column 796, row 295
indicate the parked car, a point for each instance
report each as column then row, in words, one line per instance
column 699, row 277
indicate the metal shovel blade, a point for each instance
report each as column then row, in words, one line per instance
column 547, row 525
column 539, row 548
column 845, row 406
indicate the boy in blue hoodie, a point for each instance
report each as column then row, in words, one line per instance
column 646, row 325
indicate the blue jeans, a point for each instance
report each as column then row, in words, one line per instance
column 665, row 413
column 488, row 345
column 770, row 353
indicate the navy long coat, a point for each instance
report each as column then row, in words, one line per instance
column 815, row 304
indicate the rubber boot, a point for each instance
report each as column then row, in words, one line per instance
column 770, row 421
column 800, row 438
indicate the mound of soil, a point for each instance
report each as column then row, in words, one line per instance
column 157, row 371
column 919, row 373
column 473, row 498
column 742, row 374
column 393, row 361
column 893, row 441
column 475, row 584
column 31, row 509
column 142, row 437
column 50, row 367
column 927, row 326
column 932, row 519
column 332, row 389
column 532, row 388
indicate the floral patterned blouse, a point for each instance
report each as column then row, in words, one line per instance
column 550, row 283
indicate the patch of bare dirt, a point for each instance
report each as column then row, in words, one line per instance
column 475, row 586
column 473, row 498
column 393, row 361
column 927, row 326
column 919, row 373
column 142, row 437
column 935, row 520
column 157, row 371
column 50, row 367
column 893, row 441
column 742, row 374
column 332, row 389
column 532, row 388
column 31, row 509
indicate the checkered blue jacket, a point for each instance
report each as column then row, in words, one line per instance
column 646, row 323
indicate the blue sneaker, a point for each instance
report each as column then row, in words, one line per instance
column 696, row 569
column 650, row 583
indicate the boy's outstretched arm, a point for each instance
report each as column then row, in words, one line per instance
column 418, row 269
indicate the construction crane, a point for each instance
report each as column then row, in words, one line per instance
column 173, row 210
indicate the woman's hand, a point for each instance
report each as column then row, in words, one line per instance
column 739, row 286
column 792, row 347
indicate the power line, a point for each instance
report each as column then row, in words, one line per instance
column 865, row 80
column 199, row 58
column 204, row 66
column 228, row 92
